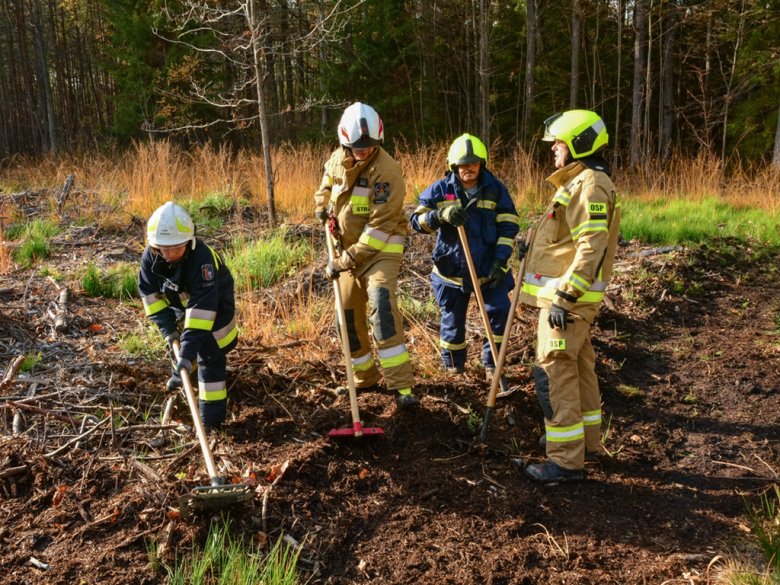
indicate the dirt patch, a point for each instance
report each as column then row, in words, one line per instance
column 687, row 350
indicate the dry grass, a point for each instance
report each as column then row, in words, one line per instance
column 140, row 179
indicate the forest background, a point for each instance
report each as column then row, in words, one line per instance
column 669, row 77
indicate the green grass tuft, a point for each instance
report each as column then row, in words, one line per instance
column 212, row 210
column 35, row 245
column 226, row 559
column 261, row 263
column 119, row 282
column 147, row 344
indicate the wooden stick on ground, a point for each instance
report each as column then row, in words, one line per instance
column 11, row 372
column 77, row 439
column 61, row 320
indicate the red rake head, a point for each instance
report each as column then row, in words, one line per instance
column 357, row 430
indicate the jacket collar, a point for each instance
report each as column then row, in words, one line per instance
column 564, row 176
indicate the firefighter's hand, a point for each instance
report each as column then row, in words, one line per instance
column 171, row 337
column 454, row 215
column 184, row 364
column 557, row 317
column 498, row 273
column 333, row 269
column 522, row 250
column 322, row 216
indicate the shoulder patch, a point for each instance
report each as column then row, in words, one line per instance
column 381, row 192
column 597, row 207
column 207, row 272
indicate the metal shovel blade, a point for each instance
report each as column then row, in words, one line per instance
column 213, row 496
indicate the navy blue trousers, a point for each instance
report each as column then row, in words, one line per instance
column 454, row 303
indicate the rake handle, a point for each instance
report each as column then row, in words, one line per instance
column 478, row 292
column 353, row 405
column 491, row 403
column 201, row 432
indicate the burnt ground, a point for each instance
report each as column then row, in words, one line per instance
column 687, row 348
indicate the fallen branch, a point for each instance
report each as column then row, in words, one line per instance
column 77, row 439
column 145, row 470
column 37, row 410
column 282, row 469
column 61, row 320
column 11, row 372
column 14, row 471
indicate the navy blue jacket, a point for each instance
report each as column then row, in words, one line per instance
column 491, row 228
column 200, row 287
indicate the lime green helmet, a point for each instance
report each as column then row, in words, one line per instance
column 583, row 131
column 466, row 149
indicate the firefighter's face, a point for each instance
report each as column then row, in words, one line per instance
column 468, row 173
column 561, row 153
column 362, row 153
column 173, row 253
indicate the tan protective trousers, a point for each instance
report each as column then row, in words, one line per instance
column 568, row 390
column 377, row 286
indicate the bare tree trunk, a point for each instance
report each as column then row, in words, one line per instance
column 639, row 70
column 269, row 174
column 576, row 42
column 668, row 80
column 484, row 69
column 648, row 83
column 530, row 65
column 740, row 32
column 776, row 154
column 616, row 137
column 707, row 101
column 43, row 76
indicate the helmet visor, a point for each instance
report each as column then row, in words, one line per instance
column 548, row 135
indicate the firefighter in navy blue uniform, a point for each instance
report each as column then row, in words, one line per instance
column 187, row 291
column 568, row 267
column 361, row 199
column 471, row 196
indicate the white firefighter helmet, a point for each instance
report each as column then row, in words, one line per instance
column 170, row 225
column 361, row 127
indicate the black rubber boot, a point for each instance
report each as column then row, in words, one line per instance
column 590, row 456
column 208, row 428
column 406, row 400
column 344, row 390
column 551, row 472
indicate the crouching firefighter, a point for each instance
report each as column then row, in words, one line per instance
column 187, row 291
column 361, row 200
column 568, row 266
column 470, row 196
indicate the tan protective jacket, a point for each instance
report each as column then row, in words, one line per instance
column 573, row 249
column 368, row 199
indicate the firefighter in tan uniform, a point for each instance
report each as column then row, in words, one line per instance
column 569, row 263
column 361, row 200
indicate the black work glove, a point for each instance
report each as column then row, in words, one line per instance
column 522, row 250
column 171, row 337
column 184, row 364
column 332, row 270
column 322, row 216
column 497, row 273
column 454, row 215
column 557, row 317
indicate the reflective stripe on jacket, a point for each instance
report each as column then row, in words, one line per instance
column 368, row 200
column 491, row 227
column 199, row 289
column 573, row 250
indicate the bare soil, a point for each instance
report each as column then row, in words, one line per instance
column 687, row 348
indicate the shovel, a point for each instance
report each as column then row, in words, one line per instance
column 215, row 495
column 357, row 430
column 480, row 301
column 502, row 354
